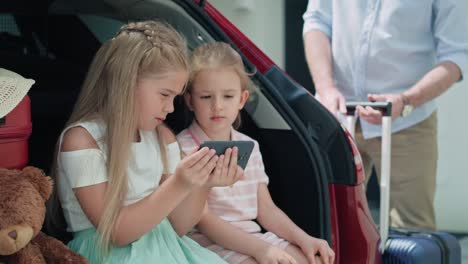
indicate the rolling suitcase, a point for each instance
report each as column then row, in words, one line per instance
column 15, row 129
column 403, row 245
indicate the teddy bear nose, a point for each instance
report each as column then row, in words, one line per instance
column 14, row 238
column 13, row 234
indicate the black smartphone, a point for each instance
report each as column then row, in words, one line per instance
column 245, row 149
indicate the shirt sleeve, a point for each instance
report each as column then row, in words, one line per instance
column 83, row 167
column 450, row 27
column 318, row 16
column 173, row 155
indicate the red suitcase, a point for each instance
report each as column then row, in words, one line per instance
column 15, row 129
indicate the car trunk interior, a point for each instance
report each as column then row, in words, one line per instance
column 56, row 50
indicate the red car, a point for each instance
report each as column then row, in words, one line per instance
column 313, row 165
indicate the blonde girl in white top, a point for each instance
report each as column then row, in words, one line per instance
column 124, row 193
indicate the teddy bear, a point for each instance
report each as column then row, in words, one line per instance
column 23, row 194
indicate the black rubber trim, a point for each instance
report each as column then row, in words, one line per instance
column 322, row 128
column 313, row 150
column 202, row 3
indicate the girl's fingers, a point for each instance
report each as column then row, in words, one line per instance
column 331, row 256
column 311, row 258
column 216, row 172
column 225, row 165
column 233, row 162
column 324, row 254
column 239, row 174
column 203, row 161
column 227, row 157
column 194, row 157
column 222, row 159
column 209, row 167
column 219, row 166
column 292, row 260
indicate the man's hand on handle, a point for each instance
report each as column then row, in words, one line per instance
column 374, row 116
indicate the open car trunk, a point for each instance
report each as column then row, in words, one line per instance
column 304, row 148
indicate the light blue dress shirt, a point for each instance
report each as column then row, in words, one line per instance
column 386, row 46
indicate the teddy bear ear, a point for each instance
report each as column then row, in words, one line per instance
column 40, row 180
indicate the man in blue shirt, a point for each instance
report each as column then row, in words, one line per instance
column 406, row 52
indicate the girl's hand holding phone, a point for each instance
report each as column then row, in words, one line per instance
column 195, row 169
column 226, row 172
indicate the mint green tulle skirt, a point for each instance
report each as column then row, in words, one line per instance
column 160, row 245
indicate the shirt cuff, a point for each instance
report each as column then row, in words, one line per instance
column 460, row 59
column 316, row 21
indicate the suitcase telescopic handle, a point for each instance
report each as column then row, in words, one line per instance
column 386, row 108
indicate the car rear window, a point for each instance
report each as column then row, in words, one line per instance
column 103, row 28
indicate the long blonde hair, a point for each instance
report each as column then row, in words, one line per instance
column 108, row 94
column 216, row 55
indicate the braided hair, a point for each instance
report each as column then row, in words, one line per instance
column 146, row 48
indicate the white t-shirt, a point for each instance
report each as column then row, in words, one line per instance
column 88, row 167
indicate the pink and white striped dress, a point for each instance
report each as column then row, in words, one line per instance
column 236, row 204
